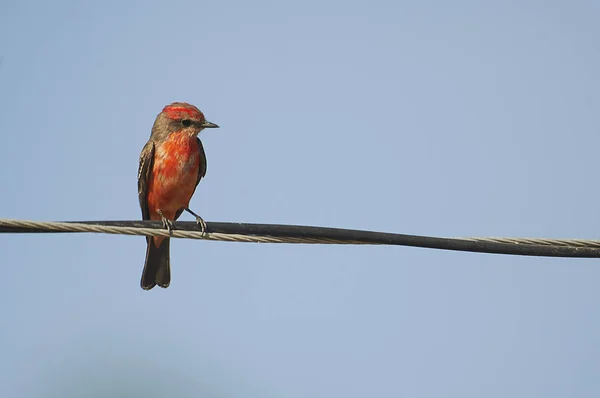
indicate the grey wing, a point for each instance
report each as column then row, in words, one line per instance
column 145, row 168
column 202, row 168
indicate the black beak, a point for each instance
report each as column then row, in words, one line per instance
column 209, row 125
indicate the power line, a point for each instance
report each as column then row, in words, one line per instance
column 273, row 233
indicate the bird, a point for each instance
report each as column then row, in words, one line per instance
column 171, row 165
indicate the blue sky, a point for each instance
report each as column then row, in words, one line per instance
column 437, row 118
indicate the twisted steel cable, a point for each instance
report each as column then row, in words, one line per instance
column 273, row 233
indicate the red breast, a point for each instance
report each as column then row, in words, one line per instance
column 174, row 175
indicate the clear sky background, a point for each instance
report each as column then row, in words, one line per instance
column 462, row 118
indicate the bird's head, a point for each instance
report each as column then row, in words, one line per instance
column 180, row 116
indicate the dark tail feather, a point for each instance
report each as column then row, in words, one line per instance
column 157, row 269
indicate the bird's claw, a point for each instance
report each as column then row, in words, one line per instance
column 168, row 224
column 202, row 224
column 199, row 221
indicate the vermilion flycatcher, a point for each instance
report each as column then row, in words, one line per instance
column 171, row 166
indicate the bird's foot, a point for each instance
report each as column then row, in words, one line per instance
column 168, row 224
column 202, row 224
column 199, row 220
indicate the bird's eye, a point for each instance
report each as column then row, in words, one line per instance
column 186, row 122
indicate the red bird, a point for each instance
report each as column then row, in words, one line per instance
column 171, row 165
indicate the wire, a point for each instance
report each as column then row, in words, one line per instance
column 272, row 233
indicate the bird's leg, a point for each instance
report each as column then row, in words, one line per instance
column 199, row 220
column 168, row 224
